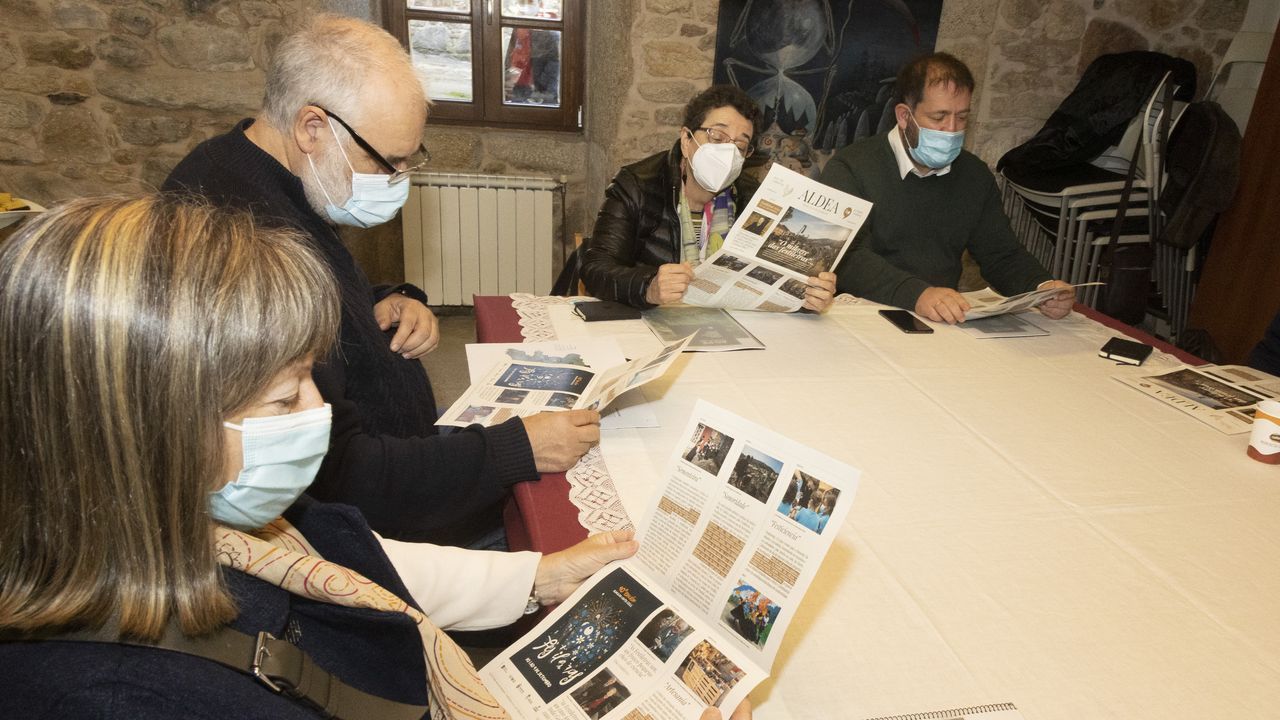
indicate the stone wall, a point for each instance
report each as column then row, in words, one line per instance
column 1028, row 54
column 106, row 95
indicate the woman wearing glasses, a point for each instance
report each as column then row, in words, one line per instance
column 670, row 211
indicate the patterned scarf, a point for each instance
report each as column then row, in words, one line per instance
column 278, row 554
column 702, row 239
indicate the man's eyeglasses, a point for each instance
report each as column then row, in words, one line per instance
column 415, row 162
column 718, row 136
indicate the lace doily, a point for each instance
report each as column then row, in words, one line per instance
column 591, row 488
column 592, row 491
column 535, row 323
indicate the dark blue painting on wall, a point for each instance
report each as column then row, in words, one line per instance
column 822, row 70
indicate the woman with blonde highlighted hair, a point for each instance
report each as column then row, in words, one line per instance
column 158, row 427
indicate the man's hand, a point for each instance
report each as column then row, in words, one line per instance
column 743, row 712
column 1058, row 306
column 941, row 304
column 560, row 573
column 821, row 291
column 560, row 438
column 669, row 284
column 417, row 333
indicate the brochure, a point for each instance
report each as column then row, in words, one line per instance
column 793, row 229
column 727, row 551
column 988, row 302
column 1224, row 396
column 527, row 384
column 630, row 410
column 713, row 329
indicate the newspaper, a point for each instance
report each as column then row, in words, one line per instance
column 713, row 329
column 727, row 551
column 793, row 229
column 988, row 302
column 1002, row 326
column 527, row 384
column 1224, row 396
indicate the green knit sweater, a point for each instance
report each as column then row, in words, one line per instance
column 919, row 227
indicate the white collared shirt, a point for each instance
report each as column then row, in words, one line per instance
column 905, row 165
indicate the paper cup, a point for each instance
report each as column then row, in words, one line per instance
column 1264, row 441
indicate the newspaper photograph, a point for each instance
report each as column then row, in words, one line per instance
column 524, row 383
column 727, row 552
column 987, row 302
column 713, row 329
column 793, row 229
column 1223, row 396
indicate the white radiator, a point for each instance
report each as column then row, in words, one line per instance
column 470, row 235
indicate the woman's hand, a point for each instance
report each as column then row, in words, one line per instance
column 669, row 284
column 560, row 573
column 821, row 291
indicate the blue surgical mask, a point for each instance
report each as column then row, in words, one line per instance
column 282, row 454
column 374, row 198
column 936, row 148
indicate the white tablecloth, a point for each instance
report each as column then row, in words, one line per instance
column 1026, row 530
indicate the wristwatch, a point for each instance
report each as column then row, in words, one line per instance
column 532, row 606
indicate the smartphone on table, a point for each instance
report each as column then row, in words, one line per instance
column 906, row 322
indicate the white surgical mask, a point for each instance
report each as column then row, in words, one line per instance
column 282, row 455
column 374, row 198
column 715, row 165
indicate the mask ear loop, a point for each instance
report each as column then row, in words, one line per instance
column 311, row 162
column 319, row 181
column 338, row 142
column 912, row 114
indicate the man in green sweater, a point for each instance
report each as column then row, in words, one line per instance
column 932, row 201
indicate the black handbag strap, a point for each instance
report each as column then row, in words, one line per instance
column 280, row 666
column 1162, row 129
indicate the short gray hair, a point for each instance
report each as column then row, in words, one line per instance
column 328, row 62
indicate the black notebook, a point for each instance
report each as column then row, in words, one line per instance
column 593, row 310
column 1125, row 351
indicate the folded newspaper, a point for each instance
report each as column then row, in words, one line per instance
column 988, row 302
column 524, row 385
column 727, row 550
column 1224, row 396
column 713, row 329
column 793, row 229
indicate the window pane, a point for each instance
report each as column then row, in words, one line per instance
column 545, row 9
column 532, row 67
column 442, row 50
column 459, row 6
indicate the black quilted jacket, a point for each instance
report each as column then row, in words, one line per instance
column 637, row 229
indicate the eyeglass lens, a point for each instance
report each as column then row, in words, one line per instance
column 718, row 136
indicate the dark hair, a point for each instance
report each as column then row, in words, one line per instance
column 928, row 70
column 718, row 96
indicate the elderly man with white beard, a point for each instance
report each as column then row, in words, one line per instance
column 340, row 129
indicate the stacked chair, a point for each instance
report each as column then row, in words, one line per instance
column 1061, row 189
